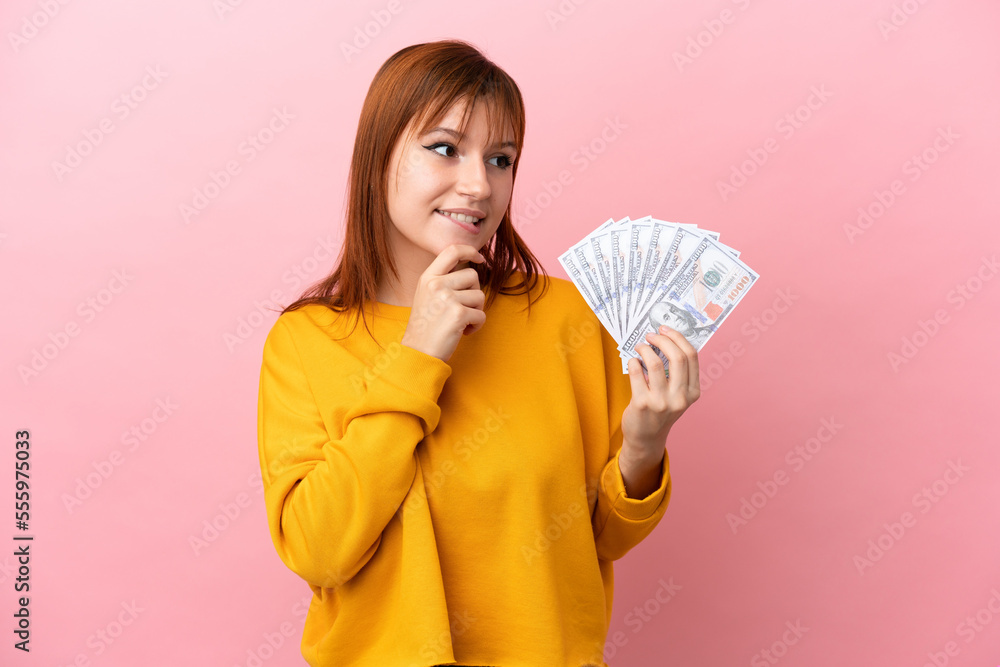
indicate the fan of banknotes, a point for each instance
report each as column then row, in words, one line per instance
column 637, row 275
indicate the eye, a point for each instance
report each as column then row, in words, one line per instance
column 440, row 144
column 506, row 161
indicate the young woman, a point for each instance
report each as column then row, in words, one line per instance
column 455, row 480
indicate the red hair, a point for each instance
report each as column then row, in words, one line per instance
column 422, row 82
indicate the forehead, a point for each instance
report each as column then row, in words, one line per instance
column 457, row 118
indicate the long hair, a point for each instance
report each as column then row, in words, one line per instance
column 421, row 82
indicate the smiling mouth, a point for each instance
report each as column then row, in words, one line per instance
column 461, row 217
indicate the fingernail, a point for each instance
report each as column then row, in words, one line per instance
column 664, row 328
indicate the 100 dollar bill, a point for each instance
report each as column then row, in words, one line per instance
column 696, row 299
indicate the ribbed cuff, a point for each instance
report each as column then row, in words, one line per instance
column 632, row 508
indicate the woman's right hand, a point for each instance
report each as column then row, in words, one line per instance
column 447, row 304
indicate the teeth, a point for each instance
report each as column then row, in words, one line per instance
column 461, row 217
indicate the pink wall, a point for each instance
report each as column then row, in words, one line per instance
column 851, row 103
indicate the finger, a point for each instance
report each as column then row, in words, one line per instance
column 637, row 377
column 477, row 319
column 691, row 354
column 677, row 360
column 471, row 311
column 463, row 279
column 471, row 298
column 658, row 381
column 451, row 257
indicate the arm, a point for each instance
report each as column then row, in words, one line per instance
column 632, row 493
column 329, row 495
column 656, row 403
column 622, row 521
column 641, row 477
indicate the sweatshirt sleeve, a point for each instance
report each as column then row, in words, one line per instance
column 329, row 495
column 621, row 522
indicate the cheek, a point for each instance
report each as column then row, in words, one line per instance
column 425, row 180
column 416, row 173
column 413, row 166
column 502, row 188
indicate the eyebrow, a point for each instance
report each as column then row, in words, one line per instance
column 459, row 135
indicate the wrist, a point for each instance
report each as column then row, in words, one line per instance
column 646, row 450
column 641, row 475
column 637, row 457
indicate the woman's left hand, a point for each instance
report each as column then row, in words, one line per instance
column 659, row 401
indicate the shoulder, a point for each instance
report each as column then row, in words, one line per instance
column 555, row 295
column 307, row 326
column 309, row 316
column 558, row 313
column 562, row 320
column 303, row 319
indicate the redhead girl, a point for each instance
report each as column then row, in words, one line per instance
column 455, row 479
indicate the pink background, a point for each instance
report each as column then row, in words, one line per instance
column 681, row 129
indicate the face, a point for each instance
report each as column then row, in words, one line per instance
column 445, row 188
column 664, row 313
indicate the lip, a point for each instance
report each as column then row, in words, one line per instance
column 475, row 213
column 467, row 226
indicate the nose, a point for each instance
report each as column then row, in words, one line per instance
column 473, row 179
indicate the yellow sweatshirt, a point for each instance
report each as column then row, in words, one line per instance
column 465, row 512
